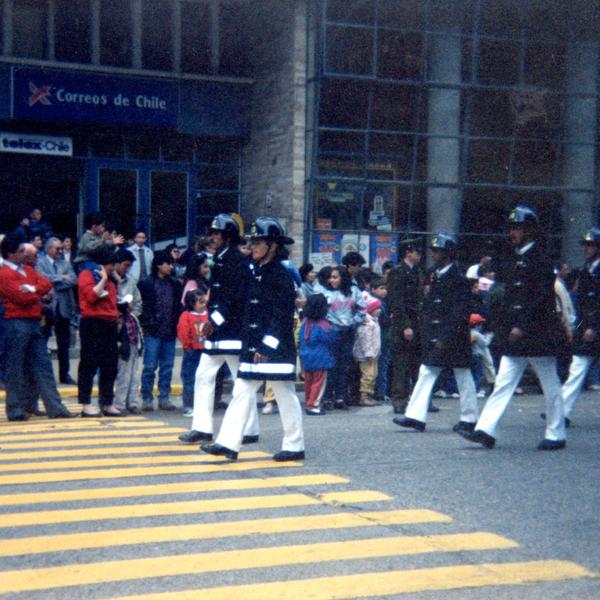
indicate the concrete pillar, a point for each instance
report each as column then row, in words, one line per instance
column 443, row 154
column 579, row 208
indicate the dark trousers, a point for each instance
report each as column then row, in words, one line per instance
column 339, row 377
column 98, row 353
column 405, row 361
column 189, row 365
column 62, row 329
column 28, row 369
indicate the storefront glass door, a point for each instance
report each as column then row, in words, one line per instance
column 117, row 199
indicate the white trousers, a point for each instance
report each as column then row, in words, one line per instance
column 128, row 381
column 204, row 393
column 243, row 402
column 580, row 365
column 509, row 374
column 419, row 399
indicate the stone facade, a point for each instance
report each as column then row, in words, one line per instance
column 273, row 160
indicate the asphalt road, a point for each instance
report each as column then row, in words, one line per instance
column 387, row 512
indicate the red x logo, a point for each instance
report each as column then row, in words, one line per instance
column 39, row 94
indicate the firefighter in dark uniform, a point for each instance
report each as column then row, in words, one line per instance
column 446, row 341
column 404, row 299
column 528, row 331
column 223, row 329
column 586, row 340
column 268, row 347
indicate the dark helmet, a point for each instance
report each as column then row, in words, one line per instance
column 229, row 224
column 591, row 236
column 269, row 228
column 444, row 241
column 523, row 215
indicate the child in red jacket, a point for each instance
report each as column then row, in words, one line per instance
column 189, row 333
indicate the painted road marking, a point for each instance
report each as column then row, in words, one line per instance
column 128, row 511
column 234, row 560
column 225, row 529
column 220, row 466
column 107, row 439
column 388, row 583
column 66, row 435
column 111, row 450
column 188, row 487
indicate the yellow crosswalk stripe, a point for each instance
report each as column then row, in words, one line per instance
column 114, row 462
column 163, row 566
column 225, row 529
column 106, row 440
column 53, row 477
column 6, row 457
column 128, row 511
column 188, row 487
column 43, row 424
column 82, row 434
column 389, row 583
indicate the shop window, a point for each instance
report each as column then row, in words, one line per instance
column 483, row 210
column 545, row 65
column 195, row 31
column 117, row 197
column 337, row 205
column 179, row 149
column 421, row 162
column 219, row 177
column 356, row 11
column 534, row 163
column 400, row 55
column 349, row 50
column 157, row 36
column 493, row 113
column 535, row 111
column 394, row 107
column 115, row 33
column 344, row 103
column 217, row 151
column 406, row 13
column 394, row 152
column 142, row 147
column 488, row 161
column 502, row 18
column 107, row 145
column 30, row 28
column 498, row 62
column 168, row 205
column 72, row 27
column 237, row 42
column 341, row 143
column 380, row 208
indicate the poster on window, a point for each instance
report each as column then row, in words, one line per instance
column 355, row 242
column 329, row 244
column 384, row 247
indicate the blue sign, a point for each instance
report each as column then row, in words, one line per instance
column 70, row 97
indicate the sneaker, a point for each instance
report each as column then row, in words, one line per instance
column 166, row 405
column 315, row 411
column 481, row 394
column 147, row 407
column 270, row 408
column 188, row 412
column 595, row 387
column 440, row 394
column 367, row 401
column 455, row 395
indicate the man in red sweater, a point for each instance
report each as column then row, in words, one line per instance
column 21, row 290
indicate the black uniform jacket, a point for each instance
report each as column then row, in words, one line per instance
column 588, row 311
column 226, row 302
column 446, row 320
column 268, row 326
column 404, row 299
column 528, row 302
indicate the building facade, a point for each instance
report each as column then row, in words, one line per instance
column 357, row 122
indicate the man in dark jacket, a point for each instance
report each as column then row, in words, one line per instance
column 223, row 329
column 586, row 340
column 404, row 299
column 527, row 332
column 268, row 347
column 161, row 302
column 446, row 341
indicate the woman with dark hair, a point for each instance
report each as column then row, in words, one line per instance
column 309, row 277
column 196, row 275
column 345, row 313
column 175, row 253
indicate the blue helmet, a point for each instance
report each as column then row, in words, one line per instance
column 591, row 236
column 269, row 228
column 523, row 215
column 444, row 241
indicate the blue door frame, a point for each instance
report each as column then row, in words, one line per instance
column 143, row 170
